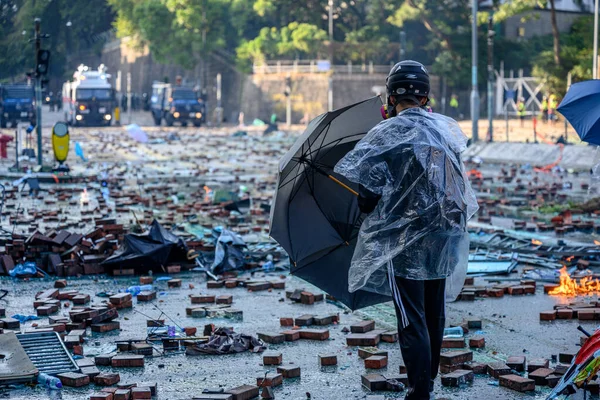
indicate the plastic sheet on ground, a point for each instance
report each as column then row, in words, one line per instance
column 26, row 269
column 137, row 133
column 418, row 230
column 225, row 341
column 229, row 252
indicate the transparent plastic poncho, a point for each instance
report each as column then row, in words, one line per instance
column 419, row 228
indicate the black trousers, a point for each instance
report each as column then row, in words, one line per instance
column 420, row 308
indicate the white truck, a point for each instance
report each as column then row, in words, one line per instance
column 89, row 99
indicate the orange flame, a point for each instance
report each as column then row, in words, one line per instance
column 597, row 243
column 570, row 287
column 536, row 242
column 570, row 258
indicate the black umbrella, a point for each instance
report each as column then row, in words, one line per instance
column 151, row 250
column 315, row 216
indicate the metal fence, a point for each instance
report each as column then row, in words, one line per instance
column 318, row 67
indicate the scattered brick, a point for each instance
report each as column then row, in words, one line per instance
column 374, row 382
column 202, row 299
column 328, row 359
column 566, row 357
column 174, row 283
column 537, row 363
column 103, row 360
column 289, row 371
column 376, row 362
column 120, row 298
column 516, row 363
column 366, row 352
column 314, row 334
column 477, row 342
column 304, row 320
column 362, row 327
column 477, row 368
column 73, row 379
column 495, row 292
column 517, row 383
column 539, row 376
column 60, row 284
column 552, row 380
column 214, row 284
column 457, row 378
column 125, row 361
column 101, row 396
column 146, row 296
column 453, row 343
column 362, row 339
column 272, row 379
column 122, row 394
column 497, row 369
column 272, row 358
column 243, row 392
column 286, row 321
column 258, row 286
column 389, row 337
column 272, row 338
column 225, row 299
column 146, row 280
column 107, row 379
column 456, row 357
column 91, row 371
column 141, row 393
column 106, row 327
column 549, row 315
column 291, row 335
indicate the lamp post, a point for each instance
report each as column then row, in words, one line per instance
column 474, row 89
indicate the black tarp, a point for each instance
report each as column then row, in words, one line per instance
column 151, row 250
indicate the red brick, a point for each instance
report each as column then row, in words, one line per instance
column 456, row 357
column 362, row 327
column 47, row 294
column 314, row 334
column 549, row 287
column 190, row 330
column 73, row 379
column 146, row 280
column 203, row 299
column 146, row 296
column 366, row 352
column 517, row 363
column 477, row 368
column 374, row 382
column 120, row 298
column 376, row 362
column 271, row 379
column 214, row 284
column 291, row 335
column 362, row 339
column 539, row 375
column 290, row 371
column 389, row 337
column 231, row 284
column 327, row 359
column 81, row 299
column 272, row 338
column 122, row 394
column 244, row 392
column 497, row 369
column 104, row 360
column 258, row 286
column 307, row 298
column 106, row 326
column 127, row 361
column 304, row 320
column 174, row 283
column 564, row 313
column 586, row 315
column 272, row 358
column 516, row 290
column 548, row 315
column 457, row 378
column 537, row 363
column 107, row 379
column 477, row 342
column 566, row 357
column 101, row 396
column 495, row 292
column 453, row 343
column 517, row 383
column 141, row 393
column 225, row 299
column 173, row 269
column 60, row 283
column 286, row 321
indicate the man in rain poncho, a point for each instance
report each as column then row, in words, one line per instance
column 413, row 245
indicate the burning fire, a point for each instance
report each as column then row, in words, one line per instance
column 570, row 287
column 207, row 194
column 597, row 243
column 536, row 242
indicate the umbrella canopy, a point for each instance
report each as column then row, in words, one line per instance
column 148, row 251
column 581, row 107
column 315, row 216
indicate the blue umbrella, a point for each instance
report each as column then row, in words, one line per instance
column 581, row 107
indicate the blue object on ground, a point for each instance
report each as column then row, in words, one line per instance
column 25, row 318
column 28, row 268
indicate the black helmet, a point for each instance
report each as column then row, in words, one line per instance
column 408, row 79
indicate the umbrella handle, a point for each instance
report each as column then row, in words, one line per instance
column 342, row 184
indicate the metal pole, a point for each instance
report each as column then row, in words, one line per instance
column 506, row 121
column 402, row 45
column 129, row 97
column 219, row 109
column 330, row 82
column 490, row 83
column 38, row 91
column 595, row 62
column 474, row 91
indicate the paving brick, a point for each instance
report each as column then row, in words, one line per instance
column 518, row 383
column 214, row 284
column 101, row 396
column 141, row 393
column 362, row 339
column 374, row 382
column 272, row 358
column 73, row 379
column 516, row 363
column 477, row 342
column 327, row 359
column 376, row 362
column 307, row 298
column 552, row 380
column 146, row 296
column 258, row 286
column 529, row 289
column 198, row 313
column 213, row 396
column 231, row 284
column 81, row 299
column 142, row 349
column 477, row 368
column 47, row 294
column 90, row 371
column 362, row 327
column 120, row 298
column 272, row 338
column 566, row 357
column 60, row 283
column 585, row 315
column 278, row 284
column 304, row 320
column 203, row 299
column 10, row 323
column 548, row 315
column 174, row 283
column 124, row 361
column 103, row 360
column 539, row 375
column 561, row 369
column 534, row 364
column 107, row 379
column 389, row 337
column 122, row 394
column 291, row 335
column 106, row 327
column 173, row 269
column 272, row 379
column 314, row 334
column 46, row 310
column 549, row 287
column 225, row 299
column 244, row 392
column 457, row 378
column 326, row 320
column 107, row 315
column 146, row 280
column 474, row 324
column 151, row 385
column 289, row 371
column 497, row 369
column 453, row 343
column 456, row 357
column 495, row 292
column 286, row 321
column 190, row 330
column 366, row 352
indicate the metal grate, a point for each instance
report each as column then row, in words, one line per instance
column 47, row 352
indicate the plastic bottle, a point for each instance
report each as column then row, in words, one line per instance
column 268, row 266
column 51, row 382
column 135, row 290
column 454, row 332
